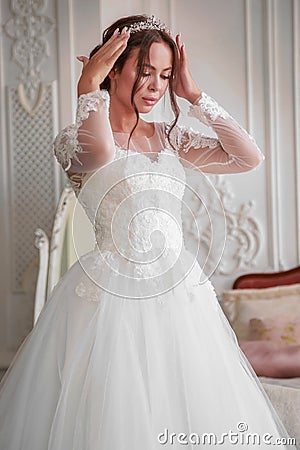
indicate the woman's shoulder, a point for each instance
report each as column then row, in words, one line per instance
column 166, row 129
column 160, row 126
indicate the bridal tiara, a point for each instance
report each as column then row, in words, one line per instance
column 152, row 23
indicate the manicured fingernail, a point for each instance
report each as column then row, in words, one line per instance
column 116, row 32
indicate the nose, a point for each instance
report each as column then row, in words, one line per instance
column 155, row 83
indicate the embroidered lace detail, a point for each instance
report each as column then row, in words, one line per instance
column 157, row 189
column 206, row 108
column 184, row 138
column 90, row 293
column 66, row 146
column 136, row 216
column 89, row 102
column 75, row 181
column 66, row 143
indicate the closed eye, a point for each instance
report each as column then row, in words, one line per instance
column 164, row 77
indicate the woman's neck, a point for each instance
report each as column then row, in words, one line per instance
column 123, row 119
column 122, row 124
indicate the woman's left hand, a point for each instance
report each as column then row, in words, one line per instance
column 183, row 84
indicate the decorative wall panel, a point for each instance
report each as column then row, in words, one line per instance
column 33, row 198
column 30, row 170
column 27, row 28
column 230, row 234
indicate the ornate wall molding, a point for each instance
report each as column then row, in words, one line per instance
column 243, row 238
column 27, row 28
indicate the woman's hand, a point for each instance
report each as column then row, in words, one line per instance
column 184, row 86
column 96, row 69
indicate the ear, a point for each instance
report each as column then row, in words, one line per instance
column 112, row 74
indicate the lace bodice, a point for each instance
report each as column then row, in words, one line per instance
column 130, row 194
column 132, row 197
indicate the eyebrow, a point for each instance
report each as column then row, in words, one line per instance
column 153, row 68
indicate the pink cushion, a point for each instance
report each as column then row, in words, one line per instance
column 283, row 330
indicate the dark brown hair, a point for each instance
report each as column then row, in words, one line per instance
column 142, row 40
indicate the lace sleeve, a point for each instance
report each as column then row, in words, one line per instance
column 88, row 143
column 233, row 151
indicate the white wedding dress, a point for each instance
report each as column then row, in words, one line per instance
column 132, row 345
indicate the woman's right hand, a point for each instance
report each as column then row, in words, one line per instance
column 96, row 69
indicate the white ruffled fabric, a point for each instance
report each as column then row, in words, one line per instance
column 109, row 373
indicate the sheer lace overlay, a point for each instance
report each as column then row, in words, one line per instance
column 208, row 108
column 88, row 144
column 184, row 139
column 69, row 141
column 233, row 151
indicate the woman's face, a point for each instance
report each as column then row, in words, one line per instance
column 154, row 82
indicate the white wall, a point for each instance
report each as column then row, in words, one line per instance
column 245, row 53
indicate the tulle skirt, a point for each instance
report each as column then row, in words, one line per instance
column 104, row 372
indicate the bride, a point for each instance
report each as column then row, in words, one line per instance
column 132, row 351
